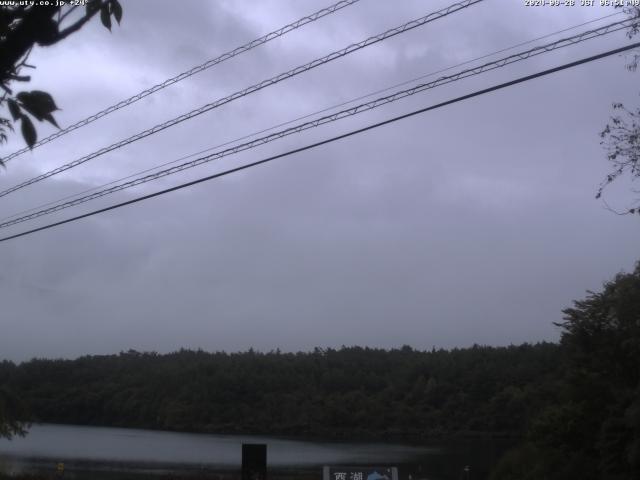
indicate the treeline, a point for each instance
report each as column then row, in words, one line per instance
column 351, row 392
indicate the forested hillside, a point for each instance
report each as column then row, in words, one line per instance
column 351, row 392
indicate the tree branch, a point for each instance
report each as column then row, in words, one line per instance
column 65, row 14
column 26, row 34
column 78, row 25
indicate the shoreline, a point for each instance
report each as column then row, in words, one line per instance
column 408, row 440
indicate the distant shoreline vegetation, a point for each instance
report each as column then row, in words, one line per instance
column 348, row 393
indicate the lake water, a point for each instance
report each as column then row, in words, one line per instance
column 98, row 449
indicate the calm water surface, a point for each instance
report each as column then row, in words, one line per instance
column 98, row 448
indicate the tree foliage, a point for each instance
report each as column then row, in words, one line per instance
column 621, row 136
column 24, row 26
column 12, row 410
column 347, row 393
column 592, row 429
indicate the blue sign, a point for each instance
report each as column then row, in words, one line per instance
column 359, row 473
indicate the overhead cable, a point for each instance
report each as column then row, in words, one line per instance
column 308, row 115
column 252, row 89
column 332, row 139
column 517, row 57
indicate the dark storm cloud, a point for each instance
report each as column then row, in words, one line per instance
column 474, row 223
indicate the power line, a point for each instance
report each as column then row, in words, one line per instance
column 329, row 118
column 308, row 115
column 578, row 38
column 333, row 139
column 254, row 88
column 197, row 69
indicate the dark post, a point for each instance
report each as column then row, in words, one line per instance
column 254, row 461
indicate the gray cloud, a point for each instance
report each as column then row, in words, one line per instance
column 473, row 223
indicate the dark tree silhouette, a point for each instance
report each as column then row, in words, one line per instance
column 591, row 429
column 347, row 393
column 12, row 414
column 22, row 27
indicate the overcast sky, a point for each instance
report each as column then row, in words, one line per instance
column 474, row 223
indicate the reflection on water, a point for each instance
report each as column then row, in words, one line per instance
column 98, row 449
column 141, row 446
